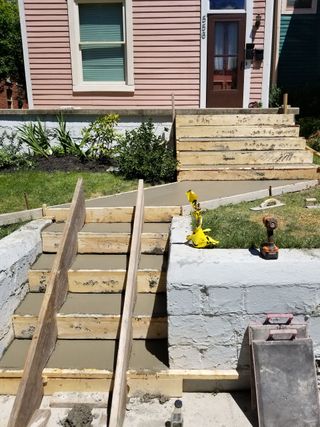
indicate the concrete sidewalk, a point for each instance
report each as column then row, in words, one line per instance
column 174, row 194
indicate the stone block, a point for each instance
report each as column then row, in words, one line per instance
column 182, row 300
column 222, row 300
column 184, row 357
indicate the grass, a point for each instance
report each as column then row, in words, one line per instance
column 52, row 188
column 236, row 226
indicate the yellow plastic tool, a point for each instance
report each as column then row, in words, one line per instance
column 199, row 238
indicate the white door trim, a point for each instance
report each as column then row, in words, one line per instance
column 266, row 72
column 25, row 48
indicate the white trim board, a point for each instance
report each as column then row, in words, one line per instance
column 25, row 47
column 266, row 72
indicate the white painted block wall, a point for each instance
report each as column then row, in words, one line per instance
column 213, row 295
column 18, row 251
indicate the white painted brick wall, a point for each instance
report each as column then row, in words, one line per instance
column 17, row 252
column 213, row 295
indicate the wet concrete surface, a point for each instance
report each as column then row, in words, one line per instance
column 104, row 262
column 108, row 304
column 173, row 194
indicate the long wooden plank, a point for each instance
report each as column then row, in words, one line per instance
column 237, row 131
column 93, row 326
column 119, row 395
column 117, row 214
column 234, row 119
column 168, row 382
column 30, row 389
column 14, row 217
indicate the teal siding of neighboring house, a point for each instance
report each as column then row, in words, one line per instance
column 299, row 53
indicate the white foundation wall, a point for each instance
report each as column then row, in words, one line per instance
column 76, row 120
column 213, row 295
column 18, row 251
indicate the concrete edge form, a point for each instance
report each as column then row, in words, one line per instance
column 214, row 294
column 18, row 251
column 253, row 195
column 19, row 216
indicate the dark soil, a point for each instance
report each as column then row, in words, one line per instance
column 79, row 416
column 69, row 164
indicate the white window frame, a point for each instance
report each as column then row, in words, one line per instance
column 76, row 58
column 295, row 11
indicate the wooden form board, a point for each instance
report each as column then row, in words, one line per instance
column 235, row 174
column 107, row 243
column 244, row 157
column 118, row 214
column 94, row 326
column 244, row 144
column 168, row 382
column 30, row 389
column 234, row 119
column 101, row 281
column 14, row 217
column 236, row 131
column 119, row 395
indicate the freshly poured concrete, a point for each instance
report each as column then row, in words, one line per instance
column 91, row 354
column 174, row 194
column 113, row 227
column 108, row 304
column 104, row 262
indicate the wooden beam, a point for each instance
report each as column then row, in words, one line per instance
column 119, row 395
column 30, row 389
column 93, row 326
column 234, row 120
column 15, row 217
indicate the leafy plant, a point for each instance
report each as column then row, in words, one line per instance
column 36, row 138
column 100, row 136
column 314, row 141
column 67, row 144
column 309, row 125
column 275, row 95
column 11, row 155
column 143, row 154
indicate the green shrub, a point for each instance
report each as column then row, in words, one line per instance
column 10, row 153
column 66, row 144
column 314, row 141
column 143, row 154
column 308, row 126
column 36, row 137
column 275, row 97
column 99, row 138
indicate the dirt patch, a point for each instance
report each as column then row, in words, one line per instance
column 79, row 416
column 68, row 164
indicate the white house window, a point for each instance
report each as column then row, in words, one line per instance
column 299, row 6
column 101, row 45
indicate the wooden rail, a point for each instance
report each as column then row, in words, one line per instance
column 30, row 390
column 119, row 395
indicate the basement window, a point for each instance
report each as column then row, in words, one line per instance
column 299, row 6
column 101, row 45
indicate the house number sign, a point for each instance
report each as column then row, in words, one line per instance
column 203, row 27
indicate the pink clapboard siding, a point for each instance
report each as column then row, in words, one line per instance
column 166, row 56
column 257, row 67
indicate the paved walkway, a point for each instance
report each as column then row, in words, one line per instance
column 174, row 194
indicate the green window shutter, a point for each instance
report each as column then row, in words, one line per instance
column 99, row 24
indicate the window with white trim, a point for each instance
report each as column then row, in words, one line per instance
column 101, row 45
column 299, row 6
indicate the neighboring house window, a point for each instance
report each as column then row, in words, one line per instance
column 299, row 6
column 227, row 4
column 101, row 45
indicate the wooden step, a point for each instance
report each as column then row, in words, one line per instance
column 242, row 144
column 109, row 238
column 237, row 131
column 243, row 172
column 117, row 214
column 234, row 119
column 244, row 157
column 99, row 273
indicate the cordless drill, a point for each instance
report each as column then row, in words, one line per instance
column 268, row 250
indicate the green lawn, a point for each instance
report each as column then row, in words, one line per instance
column 236, row 226
column 53, row 188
